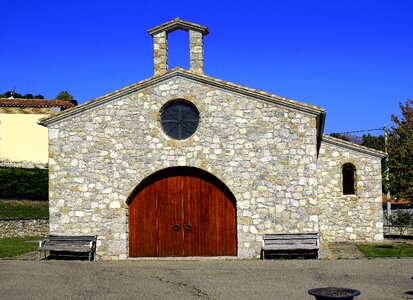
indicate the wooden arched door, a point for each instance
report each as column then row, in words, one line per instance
column 182, row 212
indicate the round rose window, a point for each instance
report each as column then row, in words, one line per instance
column 179, row 119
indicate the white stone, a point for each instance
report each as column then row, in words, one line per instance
column 279, row 208
column 79, row 213
column 114, row 204
column 107, row 190
column 379, row 225
column 314, row 218
column 253, row 230
column 83, row 188
column 53, row 133
column 182, row 161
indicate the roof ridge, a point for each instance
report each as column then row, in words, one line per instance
column 176, row 24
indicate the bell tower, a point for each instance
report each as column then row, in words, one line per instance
column 196, row 45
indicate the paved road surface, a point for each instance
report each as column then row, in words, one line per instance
column 203, row 279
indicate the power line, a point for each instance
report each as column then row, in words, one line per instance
column 357, row 131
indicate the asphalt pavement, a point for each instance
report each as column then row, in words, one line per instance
column 203, row 279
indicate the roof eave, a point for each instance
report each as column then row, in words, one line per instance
column 354, row 147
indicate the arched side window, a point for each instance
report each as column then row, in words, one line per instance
column 349, row 179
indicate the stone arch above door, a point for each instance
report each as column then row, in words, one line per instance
column 182, row 211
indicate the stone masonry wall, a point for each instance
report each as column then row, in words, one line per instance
column 160, row 50
column 265, row 154
column 23, row 228
column 399, row 231
column 356, row 217
column 196, row 52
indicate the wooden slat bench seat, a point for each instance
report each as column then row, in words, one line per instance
column 75, row 245
column 291, row 244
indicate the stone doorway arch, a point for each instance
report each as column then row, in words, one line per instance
column 182, row 211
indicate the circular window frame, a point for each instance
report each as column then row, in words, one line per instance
column 174, row 124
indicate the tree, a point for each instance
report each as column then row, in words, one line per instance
column 64, row 95
column 400, row 148
column 375, row 142
column 340, row 136
column 15, row 95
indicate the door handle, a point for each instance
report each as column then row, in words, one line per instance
column 176, row 227
column 188, row 227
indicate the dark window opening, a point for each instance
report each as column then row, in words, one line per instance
column 349, row 182
column 179, row 119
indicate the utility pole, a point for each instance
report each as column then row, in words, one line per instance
column 387, row 185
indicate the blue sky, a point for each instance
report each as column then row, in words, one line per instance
column 354, row 58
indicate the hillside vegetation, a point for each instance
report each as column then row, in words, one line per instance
column 19, row 183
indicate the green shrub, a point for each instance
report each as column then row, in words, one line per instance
column 401, row 217
column 19, row 183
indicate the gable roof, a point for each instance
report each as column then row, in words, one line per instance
column 178, row 72
column 6, row 102
column 316, row 111
column 177, row 24
column 352, row 146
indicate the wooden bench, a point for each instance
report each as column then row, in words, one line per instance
column 65, row 245
column 291, row 244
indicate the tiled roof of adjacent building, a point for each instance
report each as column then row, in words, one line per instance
column 6, row 102
column 393, row 200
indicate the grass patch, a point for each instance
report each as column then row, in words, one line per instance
column 386, row 250
column 17, row 246
column 23, row 209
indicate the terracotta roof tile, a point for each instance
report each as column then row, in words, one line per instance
column 393, row 200
column 4, row 102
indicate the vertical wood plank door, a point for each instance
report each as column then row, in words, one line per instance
column 169, row 214
column 143, row 238
column 211, row 216
column 182, row 215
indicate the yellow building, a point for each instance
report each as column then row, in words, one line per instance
column 22, row 140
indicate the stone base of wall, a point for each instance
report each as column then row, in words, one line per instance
column 402, row 231
column 23, row 228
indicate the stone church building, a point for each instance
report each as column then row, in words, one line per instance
column 183, row 164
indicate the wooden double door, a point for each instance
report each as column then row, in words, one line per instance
column 182, row 216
